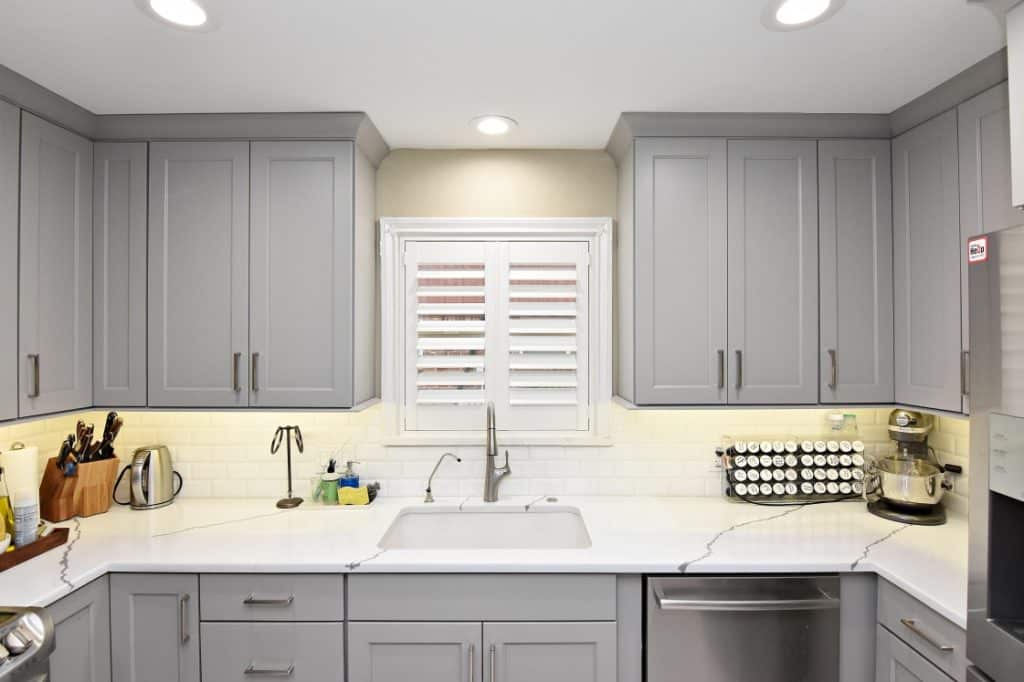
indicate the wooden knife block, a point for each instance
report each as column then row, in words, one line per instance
column 86, row 493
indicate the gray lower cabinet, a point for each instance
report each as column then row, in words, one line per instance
column 82, row 625
column 680, row 282
column 424, row 651
column 926, row 265
column 550, row 652
column 300, row 318
column 302, row 652
column 10, row 137
column 154, row 627
column 985, row 202
column 897, row 662
column 198, row 274
column 773, row 271
column 119, row 274
column 55, row 260
column 855, row 238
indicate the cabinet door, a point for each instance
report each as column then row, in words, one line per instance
column 680, row 247
column 10, row 136
column 154, row 627
column 855, row 196
column 773, row 271
column 426, row 652
column 985, row 203
column 301, row 298
column 55, row 319
column 926, row 265
column 897, row 662
column 198, row 274
column 1015, row 64
column 82, row 624
column 550, row 652
column 119, row 274
column 301, row 652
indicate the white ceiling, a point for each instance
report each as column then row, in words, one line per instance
column 564, row 69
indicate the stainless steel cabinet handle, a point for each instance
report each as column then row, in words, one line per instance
column 270, row 672
column 235, row 359
column 494, row 668
column 739, row 369
column 834, row 380
column 721, row 368
column 33, row 360
column 253, row 600
column 911, row 625
column 255, row 378
column 472, row 662
column 965, row 358
column 183, row 619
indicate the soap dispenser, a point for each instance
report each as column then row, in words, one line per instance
column 349, row 478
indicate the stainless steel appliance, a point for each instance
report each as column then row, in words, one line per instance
column 151, row 483
column 995, row 594
column 27, row 638
column 909, row 485
column 742, row 629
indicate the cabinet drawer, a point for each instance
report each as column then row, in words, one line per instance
column 300, row 652
column 937, row 639
column 272, row 597
column 455, row 597
column 897, row 662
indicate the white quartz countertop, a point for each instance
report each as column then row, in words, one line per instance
column 629, row 535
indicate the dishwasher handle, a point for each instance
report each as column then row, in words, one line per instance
column 813, row 599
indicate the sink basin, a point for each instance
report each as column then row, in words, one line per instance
column 491, row 527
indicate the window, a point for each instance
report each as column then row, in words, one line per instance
column 508, row 312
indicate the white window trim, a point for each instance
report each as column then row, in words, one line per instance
column 395, row 232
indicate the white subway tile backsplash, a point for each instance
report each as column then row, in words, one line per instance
column 655, row 452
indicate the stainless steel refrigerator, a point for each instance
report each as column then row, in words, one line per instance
column 995, row 597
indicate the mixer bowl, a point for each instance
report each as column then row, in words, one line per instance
column 913, row 484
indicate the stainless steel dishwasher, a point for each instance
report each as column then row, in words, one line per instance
column 743, row 629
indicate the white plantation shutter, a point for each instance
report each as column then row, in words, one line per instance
column 496, row 321
column 447, row 330
column 545, row 315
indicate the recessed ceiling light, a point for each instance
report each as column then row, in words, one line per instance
column 189, row 15
column 792, row 15
column 492, row 124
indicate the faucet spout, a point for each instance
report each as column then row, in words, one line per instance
column 493, row 474
column 430, row 481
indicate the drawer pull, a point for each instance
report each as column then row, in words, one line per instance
column 494, row 668
column 270, row 672
column 911, row 625
column 253, row 600
column 183, row 616
column 472, row 662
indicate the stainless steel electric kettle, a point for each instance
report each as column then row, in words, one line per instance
column 151, row 482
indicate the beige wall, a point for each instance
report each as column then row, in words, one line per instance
column 492, row 183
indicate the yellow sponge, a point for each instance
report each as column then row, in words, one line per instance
column 353, row 495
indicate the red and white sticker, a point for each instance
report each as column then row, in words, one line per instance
column 977, row 250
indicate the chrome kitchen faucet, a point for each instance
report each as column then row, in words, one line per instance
column 492, row 473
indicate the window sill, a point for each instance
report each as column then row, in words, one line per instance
column 456, row 439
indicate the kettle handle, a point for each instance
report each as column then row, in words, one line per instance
column 181, row 483
column 113, row 493
column 136, row 480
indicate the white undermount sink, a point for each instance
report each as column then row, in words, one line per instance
column 490, row 527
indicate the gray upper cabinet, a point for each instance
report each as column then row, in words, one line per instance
column 550, row 652
column 119, row 274
column 680, row 280
column 82, row 624
column 773, row 271
column 301, row 298
column 985, row 202
column 198, row 274
column 10, row 138
column 926, row 265
column 423, row 651
column 855, row 233
column 55, row 319
column 154, row 627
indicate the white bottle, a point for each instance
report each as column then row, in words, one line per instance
column 25, row 503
